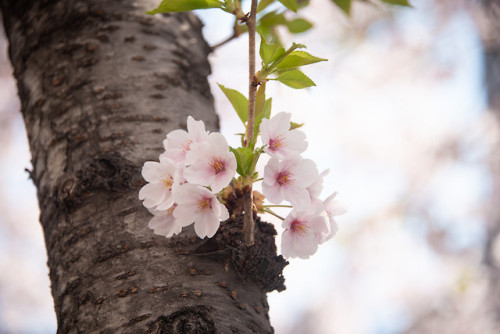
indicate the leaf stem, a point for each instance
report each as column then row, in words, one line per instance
column 248, row 222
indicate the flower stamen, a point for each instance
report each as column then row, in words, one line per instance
column 166, row 181
column 205, row 204
column 187, row 145
column 276, row 143
column 217, row 165
column 285, row 178
column 300, row 228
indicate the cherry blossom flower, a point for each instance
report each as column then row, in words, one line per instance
column 211, row 163
column 289, row 180
column 164, row 223
column 280, row 141
column 158, row 192
column 178, row 142
column 316, row 188
column 332, row 208
column 301, row 230
column 196, row 204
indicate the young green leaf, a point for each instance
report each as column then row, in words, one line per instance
column 244, row 160
column 260, row 98
column 295, row 79
column 298, row 58
column 168, row 6
column 238, row 160
column 294, row 125
column 239, row 102
column 405, row 3
column 263, row 4
column 290, row 4
column 345, row 5
column 270, row 52
column 272, row 19
column 264, row 113
column 299, row 25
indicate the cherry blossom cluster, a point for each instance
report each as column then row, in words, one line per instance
column 182, row 186
column 288, row 176
column 197, row 165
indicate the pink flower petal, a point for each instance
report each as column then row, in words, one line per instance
column 151, row 171
column 299, row 197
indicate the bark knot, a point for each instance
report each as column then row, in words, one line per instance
column 187, row 320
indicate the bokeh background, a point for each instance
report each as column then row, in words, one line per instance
column 405, row 116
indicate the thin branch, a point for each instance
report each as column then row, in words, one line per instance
column 274, row 214
column 252, row 83
column 227, row 40
column 248, row 222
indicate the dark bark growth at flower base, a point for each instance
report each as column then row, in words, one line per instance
column 101, row 83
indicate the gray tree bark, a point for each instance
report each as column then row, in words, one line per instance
column 101, row 83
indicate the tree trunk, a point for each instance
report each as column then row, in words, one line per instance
column 101, row 83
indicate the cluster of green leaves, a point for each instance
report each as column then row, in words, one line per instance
column 277, row 63
column 270, row 19
column 345, row 5
column 170, row 6
column 284, row 64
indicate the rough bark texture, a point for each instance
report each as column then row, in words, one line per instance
column 100, row 84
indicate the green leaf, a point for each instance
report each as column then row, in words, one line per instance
column 229, row 6
column 264, row 113
column 298, row 46
column 295, row 79
column 294, row 125
column 238, row 160
column 298, row 58
column 405, row 3
column 239, row 102
column 168, row 6
column 260, row 98
column 298, row 25
column 272, row 19
column 302, row 4
column 263, row 4
column 270, row 52
column 244, row 160
column 290, row 4
column 345, row 5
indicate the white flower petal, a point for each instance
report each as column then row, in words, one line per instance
column 184, row 215
column 297, row 141
column 305, row 245
column 206, row 225
column 280, row 123
column 151, row 171
column 299, row 197
column 305, row 172
column 272, row 192
column 152, row 194
column 224, row 214
column 167, row 201
column 271, row 170
column 196, row 130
